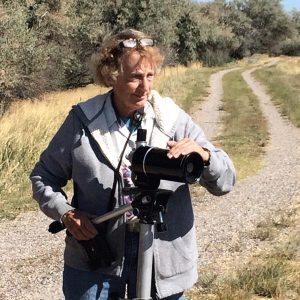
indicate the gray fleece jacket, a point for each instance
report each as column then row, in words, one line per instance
column 82, row 150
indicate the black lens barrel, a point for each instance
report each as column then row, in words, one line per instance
column 154, row 162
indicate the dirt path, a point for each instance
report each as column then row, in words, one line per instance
column 209, row 115
column 224, row 223
column 31, row 258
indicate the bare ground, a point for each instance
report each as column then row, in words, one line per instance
column 31, row 259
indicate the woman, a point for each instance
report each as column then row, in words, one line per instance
column 92, row 148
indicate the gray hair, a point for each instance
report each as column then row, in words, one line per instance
column 106, row 63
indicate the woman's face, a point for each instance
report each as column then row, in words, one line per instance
column 133, row 84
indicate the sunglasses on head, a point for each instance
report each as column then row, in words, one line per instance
column 134, row 43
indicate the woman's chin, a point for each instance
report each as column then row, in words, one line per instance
column 140, row 102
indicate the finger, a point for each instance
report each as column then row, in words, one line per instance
column 86, row 235
column 84, row 229
column 182, row 147
column 74, row 226
column 81, row 235
column 174, row 146
column 171, row 143
column 90, row 229
column 71, row 224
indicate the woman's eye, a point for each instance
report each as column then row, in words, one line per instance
column 134, row 78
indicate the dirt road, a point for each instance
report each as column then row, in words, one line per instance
column 224, row 223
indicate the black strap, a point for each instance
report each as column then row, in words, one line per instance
column 136, row 123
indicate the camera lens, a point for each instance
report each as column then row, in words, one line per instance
column 190, row 167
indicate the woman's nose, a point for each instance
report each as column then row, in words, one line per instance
column 144, row 84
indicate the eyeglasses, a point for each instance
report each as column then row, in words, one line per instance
column 134, row 43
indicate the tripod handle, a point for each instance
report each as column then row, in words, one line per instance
column 112, row 214
column 56, row 226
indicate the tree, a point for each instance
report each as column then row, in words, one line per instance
column 156, row 18
column 270, row 24
column 187, row 32
column 232, row 17
column 216, row 41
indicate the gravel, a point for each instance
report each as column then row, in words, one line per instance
column 31, row 259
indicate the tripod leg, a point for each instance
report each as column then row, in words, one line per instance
column 145, row 261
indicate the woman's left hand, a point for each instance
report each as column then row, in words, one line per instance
column 186, row 146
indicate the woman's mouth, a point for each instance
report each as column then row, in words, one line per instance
column 141, row 97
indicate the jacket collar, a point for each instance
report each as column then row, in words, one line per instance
column 100, row 115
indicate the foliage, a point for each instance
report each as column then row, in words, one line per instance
column 45, row 44
column 283, row 84
column 291, row 46
column 187, row 33
column 149, row 16
column 32, row 50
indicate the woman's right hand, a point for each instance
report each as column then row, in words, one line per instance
column 79, row 225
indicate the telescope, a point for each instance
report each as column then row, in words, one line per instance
column 151, row 164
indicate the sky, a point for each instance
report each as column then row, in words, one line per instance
column 290, row 4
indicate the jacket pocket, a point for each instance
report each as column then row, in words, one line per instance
column 177, row 256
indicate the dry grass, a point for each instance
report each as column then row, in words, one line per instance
column 272, row 275
column 244, row 125
column 184, row 85
column 26, row 130
column 254, row 60
column 269, row 228
column 283, row 83
column 289, row 65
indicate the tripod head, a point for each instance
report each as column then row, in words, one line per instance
column 149, row 205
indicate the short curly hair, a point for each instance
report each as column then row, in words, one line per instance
column 106, row 63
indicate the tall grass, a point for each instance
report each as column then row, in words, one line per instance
column 283, row 83
column 27, row 128
column 185, row 85
column 245, row 129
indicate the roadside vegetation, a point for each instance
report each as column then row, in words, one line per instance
column 185, row 85
column 26, row 130
column 272, row 274
column 283, row 84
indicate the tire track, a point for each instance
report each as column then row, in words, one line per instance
column 209, row 114
column 223, row 223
